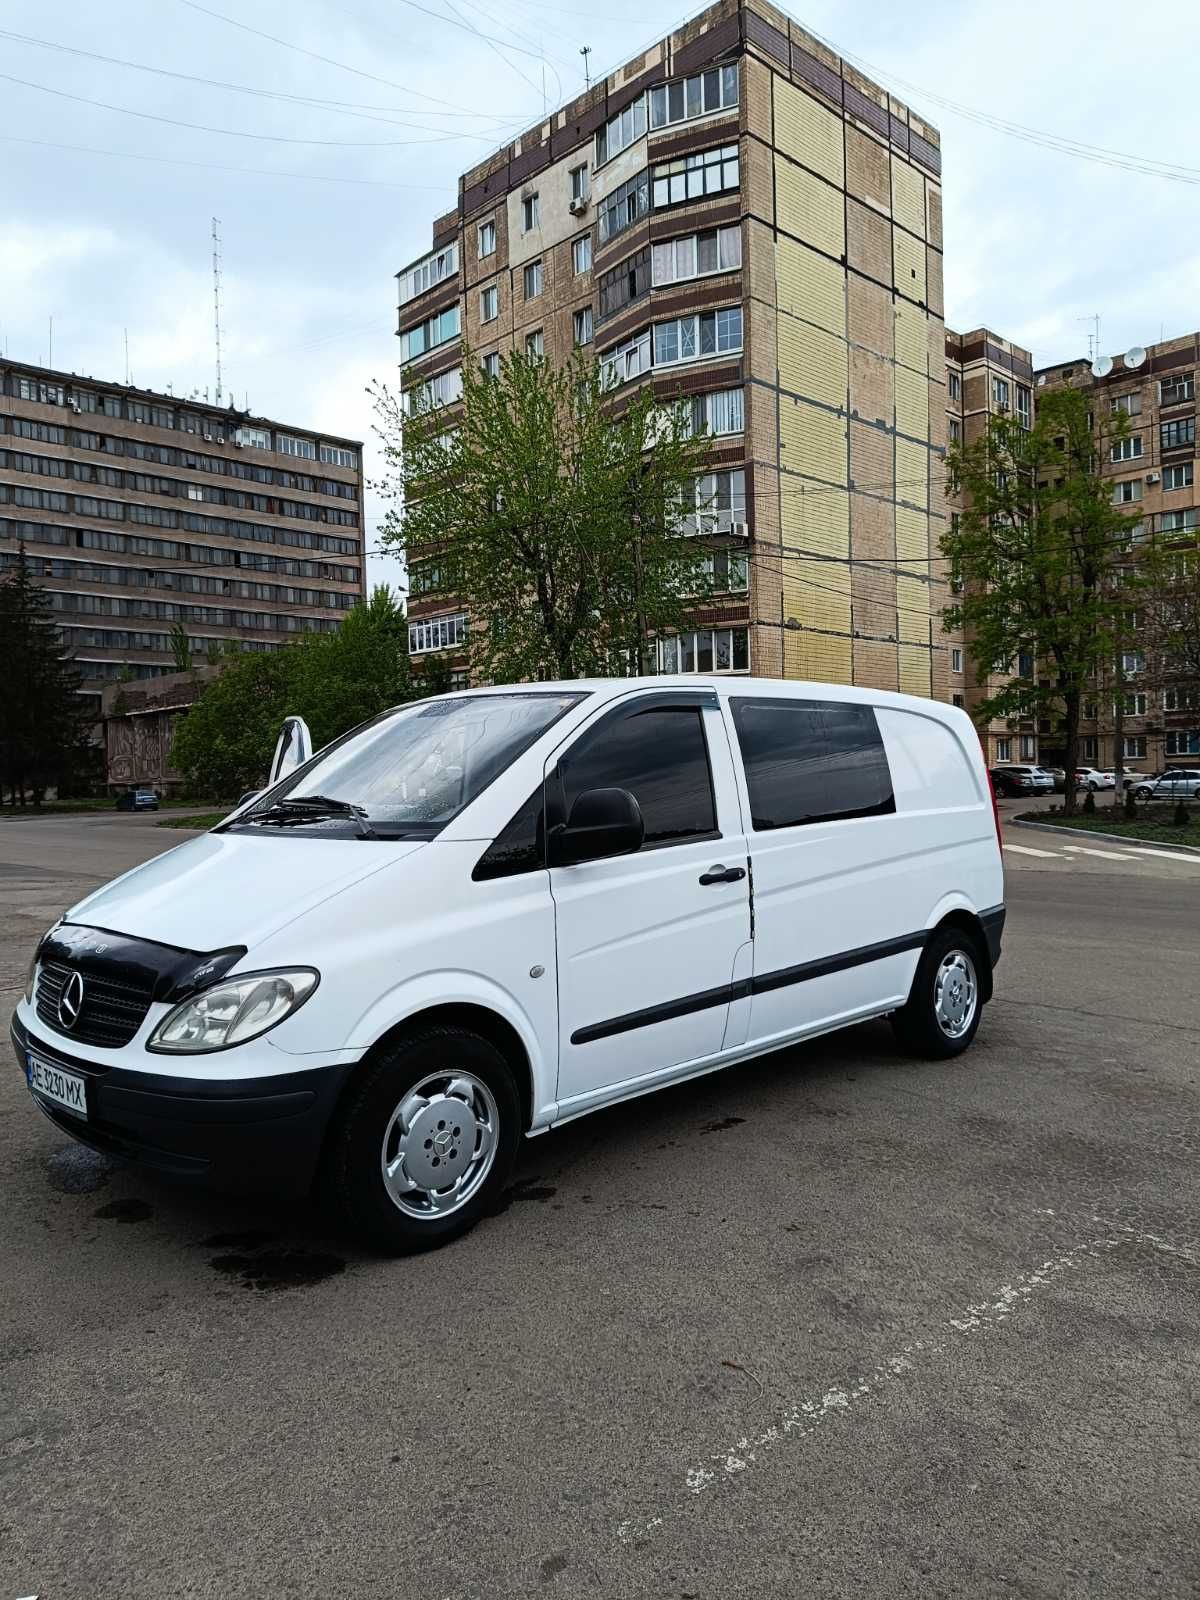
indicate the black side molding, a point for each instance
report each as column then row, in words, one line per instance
column 992, row 922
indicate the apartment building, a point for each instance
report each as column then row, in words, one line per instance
column 139, row 511
column 741, row 220
column 1152, row 469
column 986, row 375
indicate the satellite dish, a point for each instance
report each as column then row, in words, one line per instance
column 1134, row 357
column 1102, row 366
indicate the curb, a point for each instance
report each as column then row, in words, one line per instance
column 1107, row 838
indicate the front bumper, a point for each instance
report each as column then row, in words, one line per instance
column 244, row 1134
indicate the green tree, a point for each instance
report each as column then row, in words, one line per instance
column 338, row 680
column 223, row 743
column 1035, row 552
column 181, row 647
column 45, row 724
column 551, row 510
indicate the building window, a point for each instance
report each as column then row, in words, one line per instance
column 1180, row 699
column 1133, row 705
column 711, row 333
column 1024, row 406
column 428, row 335
column 1174, row 434
column 624, row 284
column 697, row 255
column 1180, row 477
column 715, row 503
column 692, row 177
column 583, row 325
column 533, row 280
column 1027, row 747
column 619, row 132
column 44, row 394
column 535, row 345
column 486, row 238
column 1125, row 493
column 727, row 571
column 1126, row 449
column 443, row 390
column 957, row 699
column 956, row 660
column 435, row 268
column 1134, row 747
column 708, row 650
column 1000, row 393
column 83, row 400
column 622, row 208
column 489, row 365
column 436, row 633
column 1132, row 662
column 1171, row 391
column 252, row 438
column 1178, row 522
column 1087, row 749
column 955, row 385
column 714, row 90
column 1003, row 749
column 1088, row 711
column 954, row 428
column 719, row 413
column 579, row 182
column 531, row 212
column 1183, row 744
column 288, row 445
column 581, row 254
column 1130, row 404
column 335, row 455
column 489, row 303
column 626, row 361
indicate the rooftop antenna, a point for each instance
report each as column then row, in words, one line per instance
column 585, row 51
column 1094, row 346
column 127, row 358
column 216, row 264
column 50, row 359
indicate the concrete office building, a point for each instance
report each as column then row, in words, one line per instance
column 739, row 219
column 1152, row 470
column 140, row 510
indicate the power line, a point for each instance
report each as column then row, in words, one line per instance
column 236, row 133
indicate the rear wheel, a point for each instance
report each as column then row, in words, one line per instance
column 426, row 1141
column 941, row 1016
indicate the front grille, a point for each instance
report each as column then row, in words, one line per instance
column 111, row 1013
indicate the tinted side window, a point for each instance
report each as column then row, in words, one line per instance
column 518, row 847
column 810, row 761
column 661, row 757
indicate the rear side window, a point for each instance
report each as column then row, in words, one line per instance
column 811, row 761
column 661, row 757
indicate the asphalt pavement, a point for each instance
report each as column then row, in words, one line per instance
column 834, row 1323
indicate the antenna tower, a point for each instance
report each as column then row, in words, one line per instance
column 216, row 266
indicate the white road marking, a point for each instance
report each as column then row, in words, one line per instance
column 1024, row 850
column 808, row 1414
column 1104, row 855
column 1171, row 855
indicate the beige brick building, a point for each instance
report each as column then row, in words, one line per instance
column 140, row 511
column 1152, row 470
column 739, row 218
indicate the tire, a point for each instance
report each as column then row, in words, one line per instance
column 440, row 1102
column 1141, row 793
column 921, row 1029
column 1093, row 787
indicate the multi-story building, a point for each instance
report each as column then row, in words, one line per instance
column 1152, row 468
column 140, row 511
column 741, row 220
column 986, row 375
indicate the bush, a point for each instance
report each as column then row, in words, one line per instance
column 1180, row 818
column 1089, row 804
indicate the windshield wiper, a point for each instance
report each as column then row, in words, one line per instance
column 311, row 807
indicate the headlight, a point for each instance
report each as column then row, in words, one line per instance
column 231, row 1012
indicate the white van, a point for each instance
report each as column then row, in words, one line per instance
column 480, row 915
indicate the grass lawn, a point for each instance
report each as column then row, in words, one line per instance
column 58, row 808
column 205, row 819
column 1154, row 824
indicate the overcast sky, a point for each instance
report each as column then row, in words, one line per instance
column 105, row 216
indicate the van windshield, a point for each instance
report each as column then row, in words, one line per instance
column 407, row 773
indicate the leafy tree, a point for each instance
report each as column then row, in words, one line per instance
column 45, row 724
column 223, row 743
column 550, row 509
column 181, row 647
column 1034, row 552
column 1169, row 607
column 337, row 680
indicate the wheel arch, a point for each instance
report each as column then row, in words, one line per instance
column 966, row 919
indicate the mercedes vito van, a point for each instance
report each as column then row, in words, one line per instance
column 480, row 915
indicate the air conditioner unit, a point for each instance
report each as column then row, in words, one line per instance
column 74, row 404
column 739, row 530
column 209, row 437
column 238, row 442
column 1153, row 477
column 578, row 206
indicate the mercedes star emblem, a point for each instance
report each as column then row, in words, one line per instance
column 70, row 1001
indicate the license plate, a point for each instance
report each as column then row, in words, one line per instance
column 66, row 1089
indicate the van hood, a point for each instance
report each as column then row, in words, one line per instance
column 229, row 888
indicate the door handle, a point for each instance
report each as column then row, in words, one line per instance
column 720, row 874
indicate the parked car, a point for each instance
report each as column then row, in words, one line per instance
column 1059, row 775
column 137, row 800
column 1011, row 779
column 476, row 917
column 1181, row 783
column 1093, row 779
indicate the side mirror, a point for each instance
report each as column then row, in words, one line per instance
column 603, row 822
column 292, row 750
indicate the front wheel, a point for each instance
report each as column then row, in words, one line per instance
column 941, row 1015
column 1142, row 793
column 426, row 1140
column 1093, row 787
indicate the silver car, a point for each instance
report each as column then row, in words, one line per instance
column 1183, row 783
